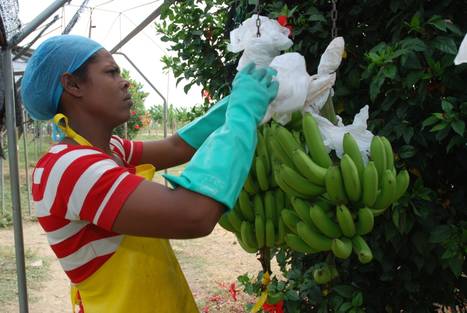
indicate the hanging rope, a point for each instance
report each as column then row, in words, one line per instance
column 334, row 19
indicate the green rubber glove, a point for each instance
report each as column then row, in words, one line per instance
column 220, row 166
column 196, row 132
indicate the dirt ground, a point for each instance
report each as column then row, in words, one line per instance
column 211, row 264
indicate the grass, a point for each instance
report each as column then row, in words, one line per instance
column 8, row 282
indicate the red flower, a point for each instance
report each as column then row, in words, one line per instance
column 205, row 309
column 274, row 308
column 282, row 19
column 233, row 291
column 215, row 298
column 136, row 126
column 132, row 112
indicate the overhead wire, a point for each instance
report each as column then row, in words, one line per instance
column 146, row 35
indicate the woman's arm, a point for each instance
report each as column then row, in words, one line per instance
column 166, row 153
column 154, row 210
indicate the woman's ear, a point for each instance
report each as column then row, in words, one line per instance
column 71, row 85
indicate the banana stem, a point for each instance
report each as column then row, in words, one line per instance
column 265, row 259
column 328, row 111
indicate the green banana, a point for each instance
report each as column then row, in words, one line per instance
column 287, row 140
column 341, row 247
column 224, row 223
column 362, row 249
column 269, row 205
column 244, row 245
column 248, row 235
column 281, row 231
column 314, row 141
column 351, row 148
column 250, row 185
column 323, row 222
column 278, row 152
column 285, row 187
column 389, row 153
column 299, row 183
column 402, row 183
column 345, row 220
column 258, row 205
column 235, row 220
column 290, row 219
column 365, row 221
column 370, row 184
column 244, row 204
column 335, row 185
column 261, row 173
column 302, row 208
column 387, row 194
column 314, row 239
column 262, row 150
column 378, row 155
column 270, row 236
column 260, row 231
column 308, row 168
column 279, row 196
column 297, row 244
column 351, row 178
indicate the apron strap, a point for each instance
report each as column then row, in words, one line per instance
column 62, row 122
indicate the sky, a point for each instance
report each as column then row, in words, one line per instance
column 112, row 20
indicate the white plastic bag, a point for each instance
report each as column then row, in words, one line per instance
column 260, row 50
column 293, row 85
column 461, row 56
column 333, row 135
column 321, row 83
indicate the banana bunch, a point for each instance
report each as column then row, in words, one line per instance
column 255, row 219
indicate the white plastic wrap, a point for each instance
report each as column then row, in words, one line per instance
column 260, row 50
column 461, row 56
column 322, row 82
column 293, row 85
column 333, row 135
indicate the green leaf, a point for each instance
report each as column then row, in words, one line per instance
column 429, row 121
column 440, row 234
column 375, row 85
column 390, row 71
column 456, row 265
column 439, row 127
column 344, row 291
column 445, row 44
column 407, row 151
column 357, row 299
column 447, row 106
column 458, row 126
column 345, row 307
column 438, row 23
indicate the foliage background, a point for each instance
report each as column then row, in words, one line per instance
column 399, row 61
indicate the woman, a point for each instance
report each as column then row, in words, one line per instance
column 106, row 221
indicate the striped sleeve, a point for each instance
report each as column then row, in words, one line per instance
column 81, row 184
column 127, row 150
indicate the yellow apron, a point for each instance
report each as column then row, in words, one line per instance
column 142, row 276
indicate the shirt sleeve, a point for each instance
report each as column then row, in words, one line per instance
column 128, row 150
column 83, row 184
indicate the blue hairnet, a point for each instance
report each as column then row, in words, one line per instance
column 41, row 88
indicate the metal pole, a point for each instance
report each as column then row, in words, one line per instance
column 2, row 179
column 31, row 26
column 26, row 161
column 14, row 180
column 141, row 26
column 155, row 89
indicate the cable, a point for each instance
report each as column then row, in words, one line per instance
column 139, row 6
column 147, row 36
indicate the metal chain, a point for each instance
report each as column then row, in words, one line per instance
column 334, row 19
column 258, row 21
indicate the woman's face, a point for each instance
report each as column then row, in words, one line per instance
column 105, row 92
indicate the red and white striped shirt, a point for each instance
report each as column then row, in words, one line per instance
column 78, row 192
